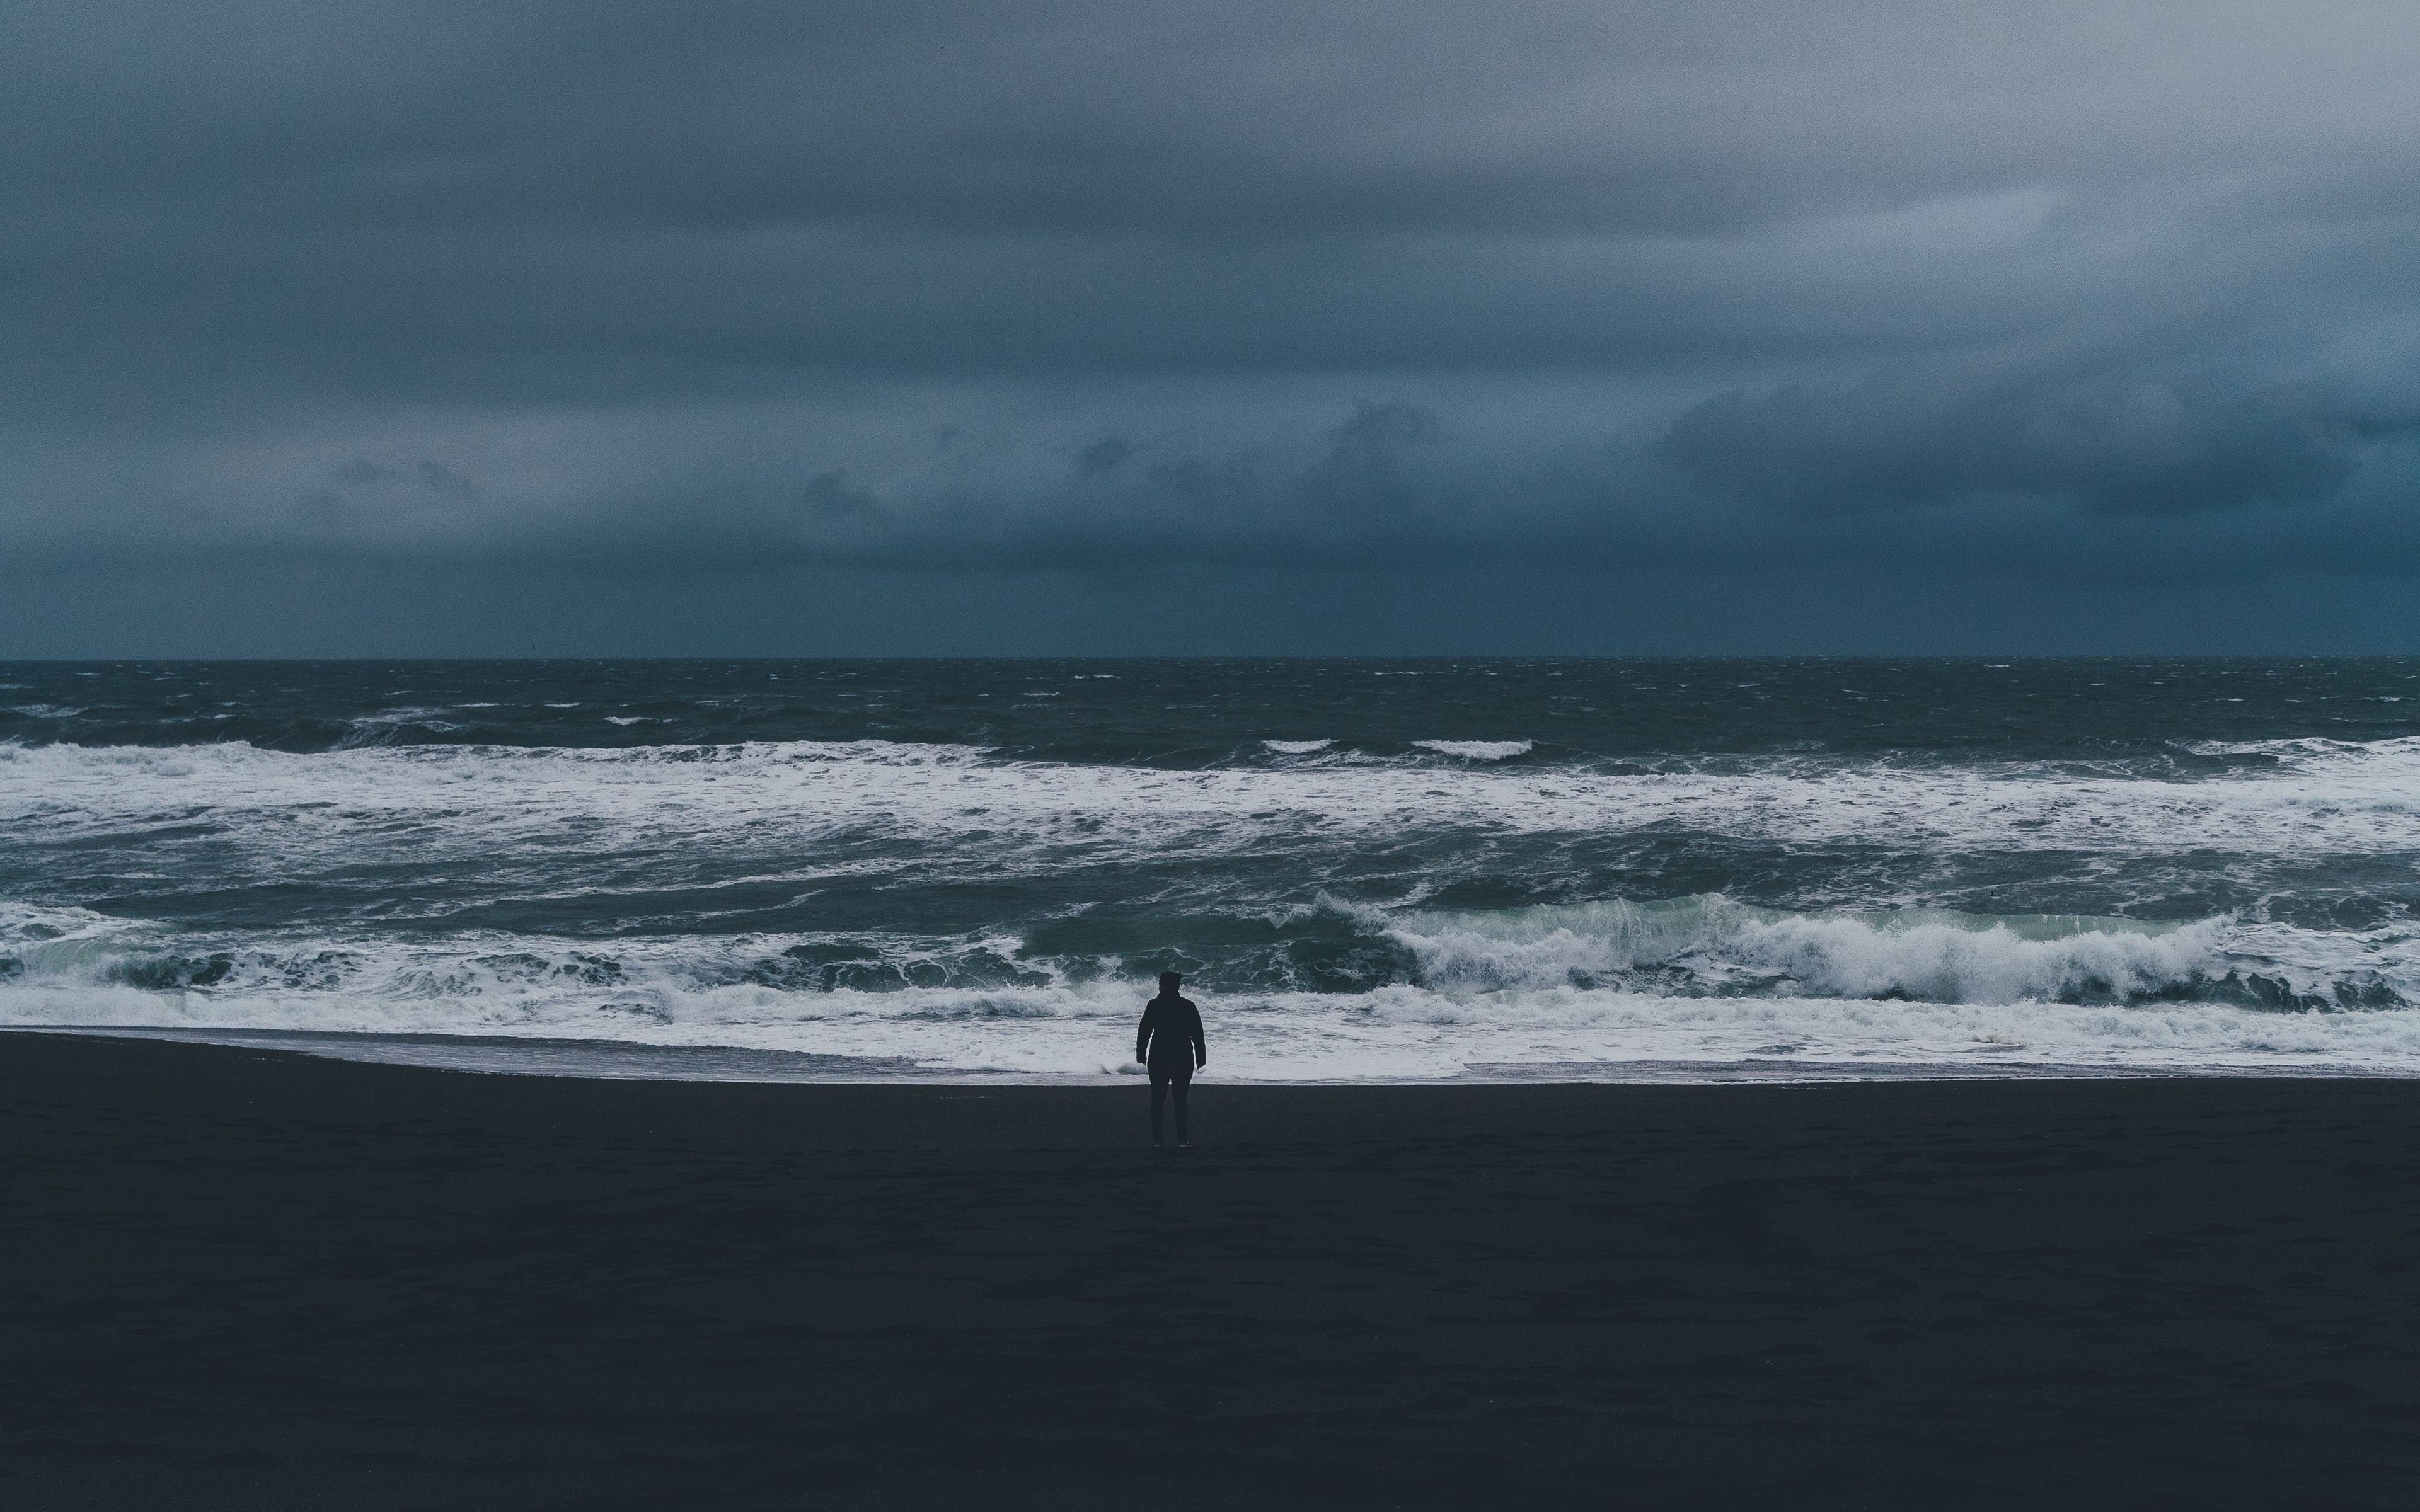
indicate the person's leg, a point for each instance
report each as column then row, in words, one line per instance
column 1160, row 1101
column 1179, row 1085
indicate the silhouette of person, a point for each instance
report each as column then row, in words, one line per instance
column 1169, row 1040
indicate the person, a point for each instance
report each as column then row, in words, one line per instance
column 1169, row 1042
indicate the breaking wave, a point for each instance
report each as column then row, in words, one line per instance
column 1347, row 909
column 1712, row 947
column 2316, row 799
column 1337, row 993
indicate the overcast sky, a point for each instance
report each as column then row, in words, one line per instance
column 333, row 328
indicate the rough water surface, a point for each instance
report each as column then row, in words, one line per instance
column 1367, row 870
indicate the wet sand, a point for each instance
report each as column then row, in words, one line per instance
column 240, row 1279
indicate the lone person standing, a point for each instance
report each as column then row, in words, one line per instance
column 1169, row 1041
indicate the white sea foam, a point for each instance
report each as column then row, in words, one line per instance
column 1597, row 986
column 1296, row 748
column 1931, row 955
column 1532, row 988
column 1477, row 750
column 2333, row 800
column 1395, row 1034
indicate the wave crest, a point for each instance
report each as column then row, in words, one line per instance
column 1712, row 945
column 1478, row 750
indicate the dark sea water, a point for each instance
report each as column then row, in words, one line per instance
column 1366, row 869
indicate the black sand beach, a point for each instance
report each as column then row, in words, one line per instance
column 234, row 1279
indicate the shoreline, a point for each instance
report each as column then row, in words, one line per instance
column 250, row 1278
column 635, row 1061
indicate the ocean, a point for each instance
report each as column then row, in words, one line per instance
column 1367, row 870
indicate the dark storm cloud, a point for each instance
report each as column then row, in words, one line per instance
column 2128, row 443
column 2066, row 292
